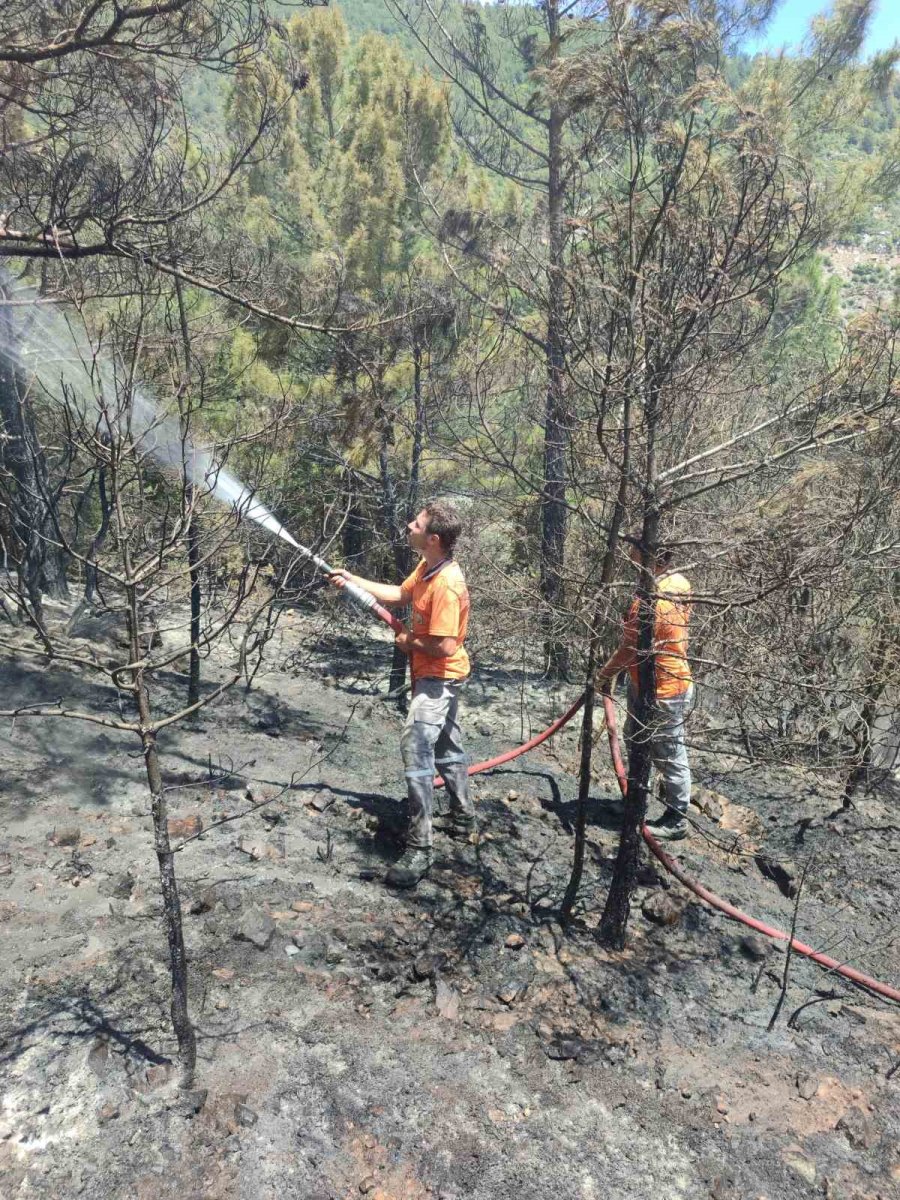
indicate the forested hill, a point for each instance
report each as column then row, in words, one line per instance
column 373, row 16
column 863, row 254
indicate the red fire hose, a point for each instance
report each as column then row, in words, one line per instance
column 824, row 960
column 509, row 755
column 729, row 910
column 723, row 906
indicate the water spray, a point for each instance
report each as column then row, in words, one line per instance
column 51, row 350
column 80, row 372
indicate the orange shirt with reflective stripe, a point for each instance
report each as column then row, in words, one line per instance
column 440, row 608
column 670, row 636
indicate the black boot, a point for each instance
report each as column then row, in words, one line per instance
column 460, row 826
column 672, row 826
column 412, row 866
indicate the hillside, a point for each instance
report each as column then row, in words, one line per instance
column 449, row 1043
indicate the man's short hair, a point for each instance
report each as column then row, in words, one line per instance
column 444, row 520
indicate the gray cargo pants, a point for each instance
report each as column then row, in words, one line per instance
column 432, row 739
column 665, row 732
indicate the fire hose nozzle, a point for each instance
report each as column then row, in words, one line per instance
column 359, row 595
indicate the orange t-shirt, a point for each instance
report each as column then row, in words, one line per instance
column 670, row 636
column 440, row 608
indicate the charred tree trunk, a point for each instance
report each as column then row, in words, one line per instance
column 400, row 552
column 415, row 466
column 618, row 903
column 193, row 549
column 91, row 575
column 181, row 1021
column 395, row 519
column 584, row 788
column 90, row 570
column 554, row 516
column 353, row 533
column 607, row 574
column 614, row 921
column 41, row 561
column 193, row 541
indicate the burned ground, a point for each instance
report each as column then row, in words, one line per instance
column 450, row 1042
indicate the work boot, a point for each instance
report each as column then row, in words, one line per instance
column 672, row 826
column 460, row 826
column 413, row 865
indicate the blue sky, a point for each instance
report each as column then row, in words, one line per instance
column 792, row 19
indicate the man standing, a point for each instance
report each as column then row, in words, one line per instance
column 674, row 690
column 439, row 667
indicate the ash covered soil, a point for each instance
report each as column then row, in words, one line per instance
column 449, row 1042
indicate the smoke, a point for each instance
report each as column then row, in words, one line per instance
column 56, row 354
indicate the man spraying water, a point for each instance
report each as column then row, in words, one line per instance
column 439, row 667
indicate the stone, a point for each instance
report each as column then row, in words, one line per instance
column 230, row 1101
column 185, row 827
column 711, row 804
column 191, row 1102
column 312, row 943
column 800, row 1165
column 67, row 836
column 858, row 1128
column 426, row 966
column 662, row 908
column 512, row 990
column 753, row 947
column 118, row 888
column 447, row 1001
column 515, row 941
column 99, row 1059
column 229, row 895
column 203, row 903
column 244, row 1115
column 257, row 928
column 258, row 849
column 807, row 1086
column 107, row 1113
column 322, row 801
column 158, row 1075
column 564, row 1049
column 647, row 875
column 512, row 795
column 368, row 1184
column 722, row 1188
